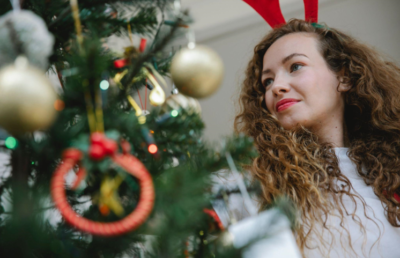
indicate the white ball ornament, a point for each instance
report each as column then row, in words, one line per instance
column 197, row 72
column 26, row 98
column 25, row 33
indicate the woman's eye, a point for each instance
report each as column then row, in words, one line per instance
column 295, row 67
column 268, row 82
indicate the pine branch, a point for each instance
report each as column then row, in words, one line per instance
column 64, row 13
column 147, row 56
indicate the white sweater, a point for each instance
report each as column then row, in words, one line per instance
column 389, row 244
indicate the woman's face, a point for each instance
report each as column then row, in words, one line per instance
column 300, row 87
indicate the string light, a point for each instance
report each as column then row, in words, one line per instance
column 104, row 84
column 174, row 113
column 10, row 142
column 59, row 105
column 153, row 148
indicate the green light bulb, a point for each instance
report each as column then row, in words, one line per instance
column 174, row 113
column 104, row 84
column 11, row 142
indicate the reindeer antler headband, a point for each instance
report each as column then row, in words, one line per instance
column 270, row 10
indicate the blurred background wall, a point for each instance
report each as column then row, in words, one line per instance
column 232, row 29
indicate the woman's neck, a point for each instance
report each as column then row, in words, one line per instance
column 332, row 131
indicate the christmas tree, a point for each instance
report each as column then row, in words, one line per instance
column 88, row 171
column 96, row 133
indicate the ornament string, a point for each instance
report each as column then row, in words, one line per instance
column 242, row 187
column 131, row 40
column 77, row 21
column 99, row 111
column 141, row 103
column 89, row 108
column 152, row 147
column 145, row 96
column 138, row 110
column 130, row 33
column 94, row 113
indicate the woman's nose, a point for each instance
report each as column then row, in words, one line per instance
column 280, row 86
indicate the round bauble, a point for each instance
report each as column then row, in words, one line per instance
column 179, row 101
column 25, row 33
column 26, row 98
column 197, row 72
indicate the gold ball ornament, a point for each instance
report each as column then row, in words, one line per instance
column 26, row 98
column 197, row 72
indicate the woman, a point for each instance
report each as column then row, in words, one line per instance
column 324, row 111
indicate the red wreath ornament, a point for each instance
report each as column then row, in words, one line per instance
column 100, row 148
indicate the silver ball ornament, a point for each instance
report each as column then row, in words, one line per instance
column 197, row 72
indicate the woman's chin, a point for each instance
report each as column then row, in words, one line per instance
column 289, row 120
column 290, row 125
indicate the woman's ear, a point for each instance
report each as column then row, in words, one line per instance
column 344, row 82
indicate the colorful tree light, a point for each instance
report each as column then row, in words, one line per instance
column 11, row 142
column 59, row 105
column 174, row 113
column 153, row 148
column 104, row 84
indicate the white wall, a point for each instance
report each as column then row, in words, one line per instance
column 375, row 22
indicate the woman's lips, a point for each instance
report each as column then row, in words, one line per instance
column 285, row 104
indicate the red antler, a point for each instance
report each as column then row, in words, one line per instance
column 270, row 10
column 311, row 10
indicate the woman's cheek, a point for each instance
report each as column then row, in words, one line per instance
column 269, row 101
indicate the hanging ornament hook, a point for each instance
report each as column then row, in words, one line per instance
column 177, row 6
column 191, row 37
column 16, row 5
column 174, row 90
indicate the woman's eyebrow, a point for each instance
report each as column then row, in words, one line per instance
column 291, row 56
column 285, row 60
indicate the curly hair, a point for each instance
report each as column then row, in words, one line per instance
column 296, row 163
